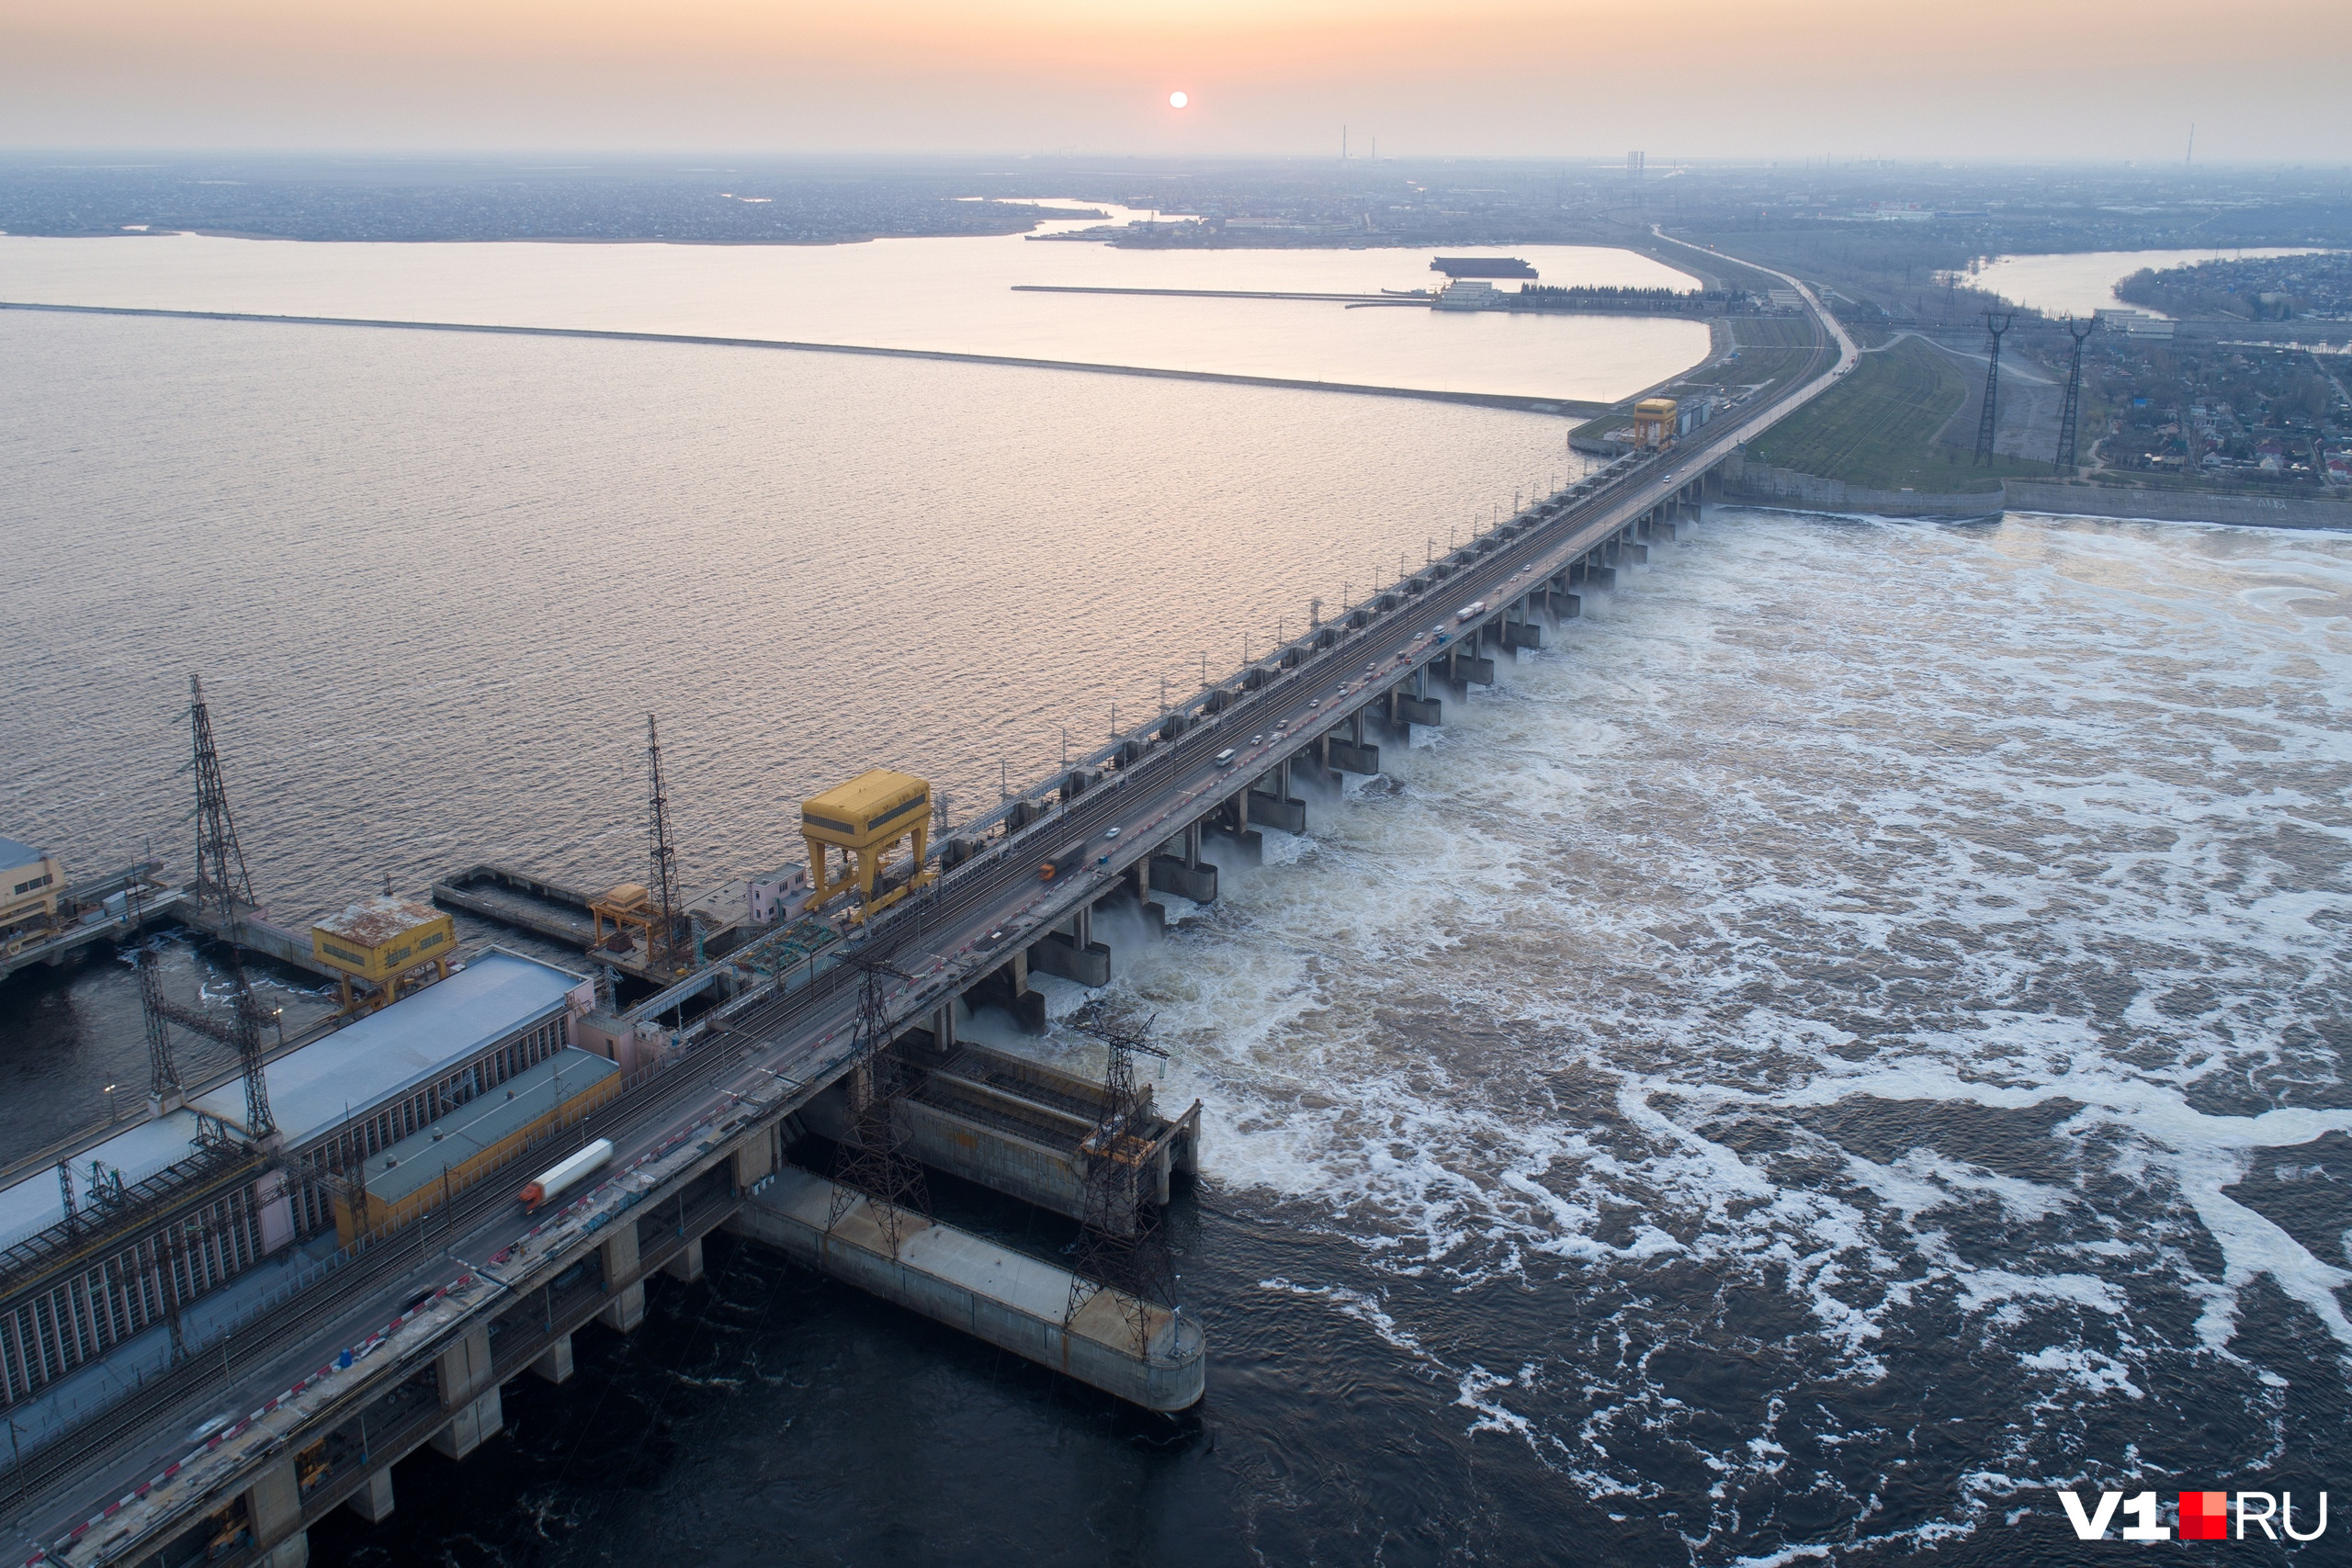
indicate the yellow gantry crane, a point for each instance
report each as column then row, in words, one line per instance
column 866, row 819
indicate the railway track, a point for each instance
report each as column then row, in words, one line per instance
column 990, row 882
column 315, row 1310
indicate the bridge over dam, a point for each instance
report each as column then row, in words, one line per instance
column 404, row 1337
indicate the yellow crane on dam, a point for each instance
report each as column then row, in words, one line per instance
column 866, row 819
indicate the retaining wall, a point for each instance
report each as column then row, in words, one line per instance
column 1768, row 486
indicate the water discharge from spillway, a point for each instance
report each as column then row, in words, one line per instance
column 1861, row 955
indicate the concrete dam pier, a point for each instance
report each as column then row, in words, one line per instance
column 343, row 1285
column 1001, row 1298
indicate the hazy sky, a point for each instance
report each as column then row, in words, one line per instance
column 1784, row 78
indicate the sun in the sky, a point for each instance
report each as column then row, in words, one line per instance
column 1178, row 99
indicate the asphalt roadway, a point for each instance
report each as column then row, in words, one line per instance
column 946, row 937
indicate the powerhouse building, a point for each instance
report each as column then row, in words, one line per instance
column 108, row 1243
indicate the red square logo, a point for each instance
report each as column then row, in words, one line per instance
column 2204, row 1515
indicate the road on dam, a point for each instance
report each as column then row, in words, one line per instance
column 763, row 1055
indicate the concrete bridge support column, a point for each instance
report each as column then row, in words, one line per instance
column 1352, row 754
column 686, row 1268
column 1276, row 809
column 470, row 1391
column 1416, row 706
column 1155, row 913
column 625, row 1292
column 1523, row 632
column 373, row 1501
column 1236, row 823
column 1074, row 954
column 554, row 1364
column 274, row 1514
column 1184, row 874
column 1007, row 986
column 756, row 1155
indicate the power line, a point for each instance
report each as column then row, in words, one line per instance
column 1985, row 425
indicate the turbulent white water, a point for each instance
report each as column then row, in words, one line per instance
column 1849, row 1037
column 1917, row 932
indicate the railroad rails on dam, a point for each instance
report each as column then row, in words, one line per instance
column 405, row 1341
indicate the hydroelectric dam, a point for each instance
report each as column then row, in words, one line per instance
column 145, row 1432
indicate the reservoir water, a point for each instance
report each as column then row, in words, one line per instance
column 2085, row 282
column 1846, row 1039
column 956, row 294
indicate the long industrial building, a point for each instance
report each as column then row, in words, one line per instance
column 106, row 1243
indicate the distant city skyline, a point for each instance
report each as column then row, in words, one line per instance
column 1788, row 79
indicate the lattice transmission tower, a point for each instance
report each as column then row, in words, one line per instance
column 163, row 1073
column 1120, row 1246
column 223, row 885
column 875, row 1160
column 2064, row 462
column 222, row 881
column 1985, row 425
column 663, row 877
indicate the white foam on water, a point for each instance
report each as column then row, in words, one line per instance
column 1284, row 848
column 2039, row 821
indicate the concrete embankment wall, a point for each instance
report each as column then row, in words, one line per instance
column 2175, row 506
column 1768, row 486
column 1786, row 487
column 1011, row 1301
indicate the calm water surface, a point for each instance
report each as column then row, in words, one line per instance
column 1849, row 1037
column 2082, row 283
column 943, row 294
column 435, row 582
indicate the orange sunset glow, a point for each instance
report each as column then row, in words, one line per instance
column 1483, row 77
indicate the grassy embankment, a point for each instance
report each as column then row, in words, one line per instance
column 1772, row 349
column 1877, row 428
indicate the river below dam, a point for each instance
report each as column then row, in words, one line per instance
column 1845, row 1040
